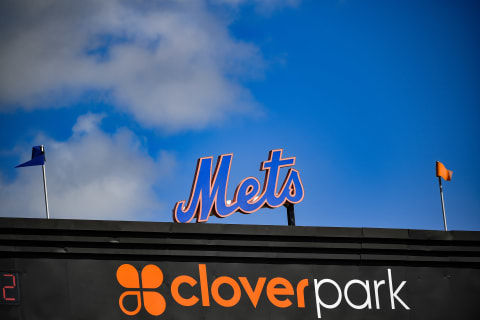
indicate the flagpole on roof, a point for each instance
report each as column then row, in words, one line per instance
column 38, row 158
column 45, row 186
column 443, row 204
column 442, row 172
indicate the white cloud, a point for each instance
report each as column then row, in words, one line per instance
column 88, row 123
column 171, row 64
column 92, row 175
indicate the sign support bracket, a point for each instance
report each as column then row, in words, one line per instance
column 290, row 213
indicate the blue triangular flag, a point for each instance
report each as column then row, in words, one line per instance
column 38, row 158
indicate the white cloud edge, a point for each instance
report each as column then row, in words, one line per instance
column 92, row 175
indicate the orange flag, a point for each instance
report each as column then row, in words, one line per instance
column 443, row 172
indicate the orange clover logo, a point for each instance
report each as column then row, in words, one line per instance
column 152, row 278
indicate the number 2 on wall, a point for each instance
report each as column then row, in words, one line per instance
column 9, row 287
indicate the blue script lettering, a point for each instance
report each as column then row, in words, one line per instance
column 209, row 193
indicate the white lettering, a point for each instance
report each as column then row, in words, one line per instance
column 320, row 302
column 394, row 294
column 376, row 285
column 366, row 286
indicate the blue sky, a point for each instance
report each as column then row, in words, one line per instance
column 125, row 97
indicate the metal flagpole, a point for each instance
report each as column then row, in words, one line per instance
column 45, row 187
column 443, row 205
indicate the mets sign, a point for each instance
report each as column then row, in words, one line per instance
column 209, row 192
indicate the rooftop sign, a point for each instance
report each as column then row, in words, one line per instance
column 111, row 270
column 209, row 192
